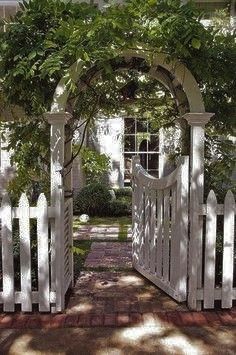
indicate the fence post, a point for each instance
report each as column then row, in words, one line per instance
column 182, row 224
column 57, row 143
column 135, row 187
column 197, row 121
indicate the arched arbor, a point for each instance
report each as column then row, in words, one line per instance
column 184, row 88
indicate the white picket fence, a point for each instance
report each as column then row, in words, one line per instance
column 160, row 227
column 203, row 242
column 45, row 295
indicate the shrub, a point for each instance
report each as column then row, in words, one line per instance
column 93, row 199
column 94, row 164
column 123, row 192
column 16, row 255
column 119, row 208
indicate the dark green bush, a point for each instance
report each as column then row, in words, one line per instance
column 122, row 206
column 93, row 199
column 123, row 192
column 118, row 208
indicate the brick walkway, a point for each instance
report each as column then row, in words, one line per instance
column 117, row 299
column 110, row 255
column 110, row 292
column 122, row 298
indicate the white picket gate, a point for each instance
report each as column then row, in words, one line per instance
column 203, row 239
column 160, row 227
column 163, row 250
column 45, row 294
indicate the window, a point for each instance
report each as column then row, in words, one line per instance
column 211, row 7
column 8, row 9
column 140, row 139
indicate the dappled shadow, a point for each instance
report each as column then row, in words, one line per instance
column 113, row 292
column 130, row 340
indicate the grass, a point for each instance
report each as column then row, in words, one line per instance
column 81, row 249
column 122, row 222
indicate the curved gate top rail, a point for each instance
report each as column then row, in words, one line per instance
column 160, row 227
column 157, row 183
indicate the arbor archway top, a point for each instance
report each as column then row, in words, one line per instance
column 177, row 69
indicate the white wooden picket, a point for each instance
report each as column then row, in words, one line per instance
column 209, row 291
column 210, row 251
column 7, row 256
column 43, row 254
column 228, row 251
column 25, row 253
column 160, row 235
column 46, row 294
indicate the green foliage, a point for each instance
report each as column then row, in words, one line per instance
column 121, row 207
column 81, row 249
column 123, row 192
column 96, row 200
column 94, row 164
column 219, row 166
column 30, row 157
column 16, row 254
column 93, row 200
column 47, row 36
column 221, row 21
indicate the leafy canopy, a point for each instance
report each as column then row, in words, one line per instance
column 47, row 36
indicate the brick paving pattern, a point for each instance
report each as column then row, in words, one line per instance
column 110, row 255
column 109, row 292
column 120, row 319
column 117, row 299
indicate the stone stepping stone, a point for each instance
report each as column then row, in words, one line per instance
column 103, row 232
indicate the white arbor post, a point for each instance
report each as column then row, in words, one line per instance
column 57, row 142
column 162, row 157
column 68, row 171
column 197, row 121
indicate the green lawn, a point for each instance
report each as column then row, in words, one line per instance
column 81, row 249
column 122, row 222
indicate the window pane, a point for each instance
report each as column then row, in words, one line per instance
column 128, row 163
column 128, row 160
column 129, row 125
column 142, row 145
column 143, row 160
column 141, row 126
column 152, row 128
column 153, row 144
column 1, row 17
column 153, row 161
column 10, row 11
column 129, row 143
column 210, row 7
